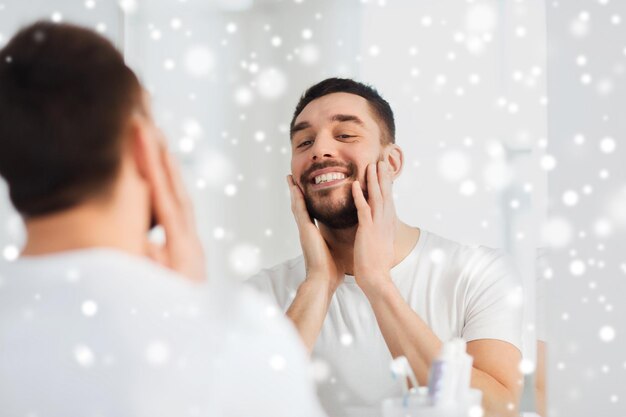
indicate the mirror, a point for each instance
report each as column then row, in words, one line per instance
column 467, row 85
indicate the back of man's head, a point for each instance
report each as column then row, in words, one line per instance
column 66, row 96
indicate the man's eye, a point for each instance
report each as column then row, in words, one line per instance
column 345, row 136
column 305, row 143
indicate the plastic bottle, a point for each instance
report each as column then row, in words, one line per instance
column 450, row 374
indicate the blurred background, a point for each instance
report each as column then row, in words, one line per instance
column 466, row 80
column 584, row 280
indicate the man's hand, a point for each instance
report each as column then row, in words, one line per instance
column 323, row 275
column 182, row 251
column 374, row 241
column 319, row 262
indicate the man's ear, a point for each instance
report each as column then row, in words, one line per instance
column 395, row 158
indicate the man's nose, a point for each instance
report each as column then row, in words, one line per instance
column 323, row 147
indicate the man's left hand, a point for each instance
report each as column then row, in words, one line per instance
column 374, row 242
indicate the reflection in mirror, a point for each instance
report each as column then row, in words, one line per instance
column 466, row 85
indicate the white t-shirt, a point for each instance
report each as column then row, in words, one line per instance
column 458, row 290
column 101, row 333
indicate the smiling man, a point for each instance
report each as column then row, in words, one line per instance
column 369, row 287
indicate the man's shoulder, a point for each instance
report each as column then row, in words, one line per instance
column 103, row 270
column 280, row 281
column 291, row 269
column 468, row 262
column 459, row 251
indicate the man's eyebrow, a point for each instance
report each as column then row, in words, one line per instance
column 298, row 127
column 347, row 118
column 336, row 118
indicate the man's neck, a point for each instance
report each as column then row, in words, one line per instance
column 82, row 227
column 341, row 243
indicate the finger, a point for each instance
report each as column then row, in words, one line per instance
column 173, row 175
column 386, row 184
column 179, row 191
column 373, row 189
column 157, row 254
column 165, row 207
column 363, row 209
column 298, row 205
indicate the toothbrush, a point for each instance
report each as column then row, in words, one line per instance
column 400, row 368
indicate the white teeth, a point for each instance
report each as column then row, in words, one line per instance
column 331, row 176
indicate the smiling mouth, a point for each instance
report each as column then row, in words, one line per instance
column 329, row 177
column 324, row 176
column 327, row 181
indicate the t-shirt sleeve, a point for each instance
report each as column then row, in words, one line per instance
column 262, row 282
column 495, row 298
column 279, row 284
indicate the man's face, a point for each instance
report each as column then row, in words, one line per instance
column 335, row 137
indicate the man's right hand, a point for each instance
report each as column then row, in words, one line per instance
column 182, row 250
column 319, row 262
column 323, row 275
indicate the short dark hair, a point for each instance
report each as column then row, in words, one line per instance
column 380, row 107
column 66, row 96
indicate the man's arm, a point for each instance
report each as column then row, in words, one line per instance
column 540, row 378
column 310, row 306
column 495, row 369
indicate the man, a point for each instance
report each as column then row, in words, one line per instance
column 89, row 325
column 369, row 287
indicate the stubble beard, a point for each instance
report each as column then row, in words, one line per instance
column 340, row 213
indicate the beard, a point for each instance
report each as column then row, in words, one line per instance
column 335, row 215
column 338, row 212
